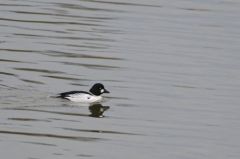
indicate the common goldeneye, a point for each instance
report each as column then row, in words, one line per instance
column 93, row 96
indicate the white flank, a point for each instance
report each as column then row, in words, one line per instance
column 84, row 98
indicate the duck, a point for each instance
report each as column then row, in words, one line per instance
column 93, row 96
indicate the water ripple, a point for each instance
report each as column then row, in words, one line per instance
column 101, row 131
column 92, row 66
column 37, row 70
column 75, row 55
column 125, row 3
column 8, row 60
column 32, row 81
column 7, row 73
column 28, row 119
column 39, row 143
column 81, row 7
column 78, row 138
column 49, row 22
column 64, row 78
column 86, row 18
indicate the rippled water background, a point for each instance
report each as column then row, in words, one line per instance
column 172, row 68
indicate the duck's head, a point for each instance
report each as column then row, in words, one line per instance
column 98, row 89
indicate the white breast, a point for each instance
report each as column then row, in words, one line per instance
column 84, row 98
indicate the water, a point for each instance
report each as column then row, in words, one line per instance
column 172, row 68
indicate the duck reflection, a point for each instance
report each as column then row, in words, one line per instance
column 97, row 110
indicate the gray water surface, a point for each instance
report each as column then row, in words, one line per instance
column 172, row 68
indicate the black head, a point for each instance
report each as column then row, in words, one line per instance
column 98, row 89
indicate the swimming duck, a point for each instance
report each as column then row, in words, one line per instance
column 93, row 96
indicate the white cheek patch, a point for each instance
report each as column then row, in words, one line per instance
column 102, row 90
